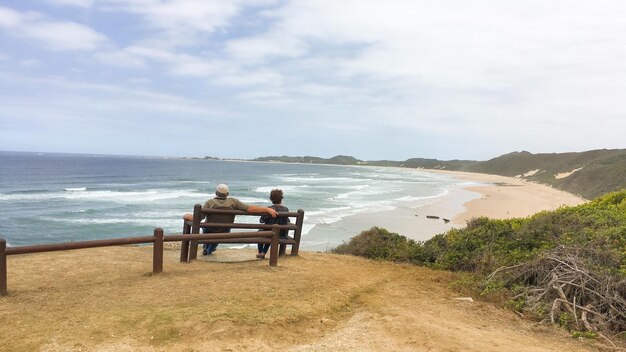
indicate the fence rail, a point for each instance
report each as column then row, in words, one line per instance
column 157, row 240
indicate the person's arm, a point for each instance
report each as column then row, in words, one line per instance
column 257, row 209
column 189, row 217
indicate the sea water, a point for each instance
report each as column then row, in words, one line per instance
column 49, row 198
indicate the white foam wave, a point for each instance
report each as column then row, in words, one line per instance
column 111, row 196
column 267, row 190
column 152, row 222
column 332, row 215
column 306, row 228
column 32, row 196
column 253, row 200
column 133, row 197
column 326, row 210
column 408, row 199
column 324, row 179
column 159, row 214
column 443, row 192
column 75, row 189
column 365, row 192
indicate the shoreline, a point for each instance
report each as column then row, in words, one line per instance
column 473, row 195
column 509, row 197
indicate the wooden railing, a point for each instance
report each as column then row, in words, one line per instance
column 157, row 249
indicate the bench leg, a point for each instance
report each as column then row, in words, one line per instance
column 274, row 246
column 193, row 250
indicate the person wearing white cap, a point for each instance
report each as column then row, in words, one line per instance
column 223, row 201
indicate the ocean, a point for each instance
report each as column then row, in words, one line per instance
column 49, row 198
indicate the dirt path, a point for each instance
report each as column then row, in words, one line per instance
column 408, row 313
column 104, row 300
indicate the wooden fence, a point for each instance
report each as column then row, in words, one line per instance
column 157, row 240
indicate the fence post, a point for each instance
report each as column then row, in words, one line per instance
column 298, row 233
column 195, row 229
column 184, row 246
column 3, row 267
column 274, row 246
column 157, row 251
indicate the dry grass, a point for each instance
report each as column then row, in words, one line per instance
column 106, row 300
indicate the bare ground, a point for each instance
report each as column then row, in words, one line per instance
column 106, row 300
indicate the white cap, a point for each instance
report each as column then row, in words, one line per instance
column 222, row 189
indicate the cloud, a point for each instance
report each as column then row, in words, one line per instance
column 78, row 3
column 178, row 63
column 67, row 96
column 472, row 54
column 9, row 18
column 55, row 35
column 181, row 64
column 30, row 63
column 184, row 22
column 261, row 47
column 121, row 58
column 63, row 35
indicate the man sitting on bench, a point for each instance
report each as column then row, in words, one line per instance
column 223, row 201
column 276, row 196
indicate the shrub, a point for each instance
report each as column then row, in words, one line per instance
column 378, row 243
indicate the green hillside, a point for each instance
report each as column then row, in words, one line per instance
column 588, row 174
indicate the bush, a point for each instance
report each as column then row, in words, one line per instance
column 378, row 243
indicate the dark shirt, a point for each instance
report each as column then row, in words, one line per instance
column 280, row 220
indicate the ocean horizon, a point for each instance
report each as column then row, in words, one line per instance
column 50, row 198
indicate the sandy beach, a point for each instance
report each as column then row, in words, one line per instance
column 509, row 197
column 475, row 195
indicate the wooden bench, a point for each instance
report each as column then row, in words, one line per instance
column 189, row 249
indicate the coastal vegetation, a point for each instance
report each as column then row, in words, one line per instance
column 588, row 174
column 566, row 266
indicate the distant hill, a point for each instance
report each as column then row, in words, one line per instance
column 588, row 174
column 336, row 160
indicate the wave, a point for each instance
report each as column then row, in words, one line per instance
column 324, row 179
column 253, row 200
column 332, row 215
column 364, row 192
column 129, row 197
column 285, row 189
column 76, row 189
column 151, row 222
column 443, row 192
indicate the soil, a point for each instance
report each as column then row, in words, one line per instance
column 106, row 299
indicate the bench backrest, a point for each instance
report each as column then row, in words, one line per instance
column 220, row 219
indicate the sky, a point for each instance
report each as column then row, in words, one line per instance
column 389, row 79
